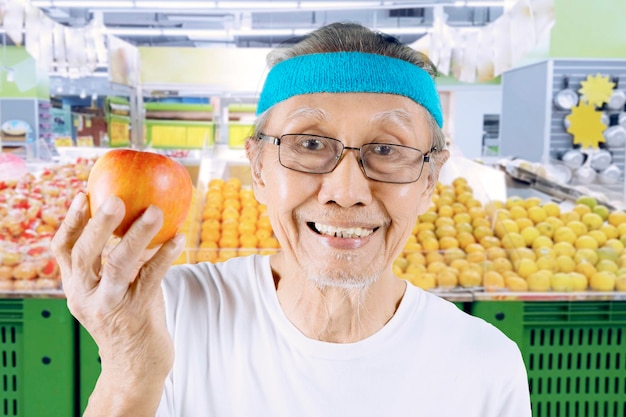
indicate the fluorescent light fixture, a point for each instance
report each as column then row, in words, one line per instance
column 404, row 31
column 135, row 31
column 337, row 4
column 93, row 4
column 174, row 4
column 263, row 32
column 247, row 5
column 199, row 34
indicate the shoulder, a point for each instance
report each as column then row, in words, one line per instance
column 213, row 280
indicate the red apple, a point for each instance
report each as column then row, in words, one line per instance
column 142, row 179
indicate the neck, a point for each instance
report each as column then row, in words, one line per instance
column 338, row 314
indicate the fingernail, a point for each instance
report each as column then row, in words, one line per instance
column 180, row 239
column 109, row 205
column 151, row 214
column 78, row 202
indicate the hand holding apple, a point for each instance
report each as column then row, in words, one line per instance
column 141, row 179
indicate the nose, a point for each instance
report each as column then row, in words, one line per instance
column 347, row 184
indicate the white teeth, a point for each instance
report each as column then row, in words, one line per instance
column 349, row 233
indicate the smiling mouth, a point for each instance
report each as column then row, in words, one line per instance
column 343, row 232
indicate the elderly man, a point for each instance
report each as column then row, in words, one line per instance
column 346, row 155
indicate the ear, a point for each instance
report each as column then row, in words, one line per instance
column 253, row 152
column 435, row 164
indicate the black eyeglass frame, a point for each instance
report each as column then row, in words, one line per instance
column 274, row 140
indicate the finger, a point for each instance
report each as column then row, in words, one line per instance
column 153, row 271
column 87, row 253
column 124, row 261
column 69, row 231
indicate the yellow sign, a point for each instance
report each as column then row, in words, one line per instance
column 586, row 125
column 596, row 90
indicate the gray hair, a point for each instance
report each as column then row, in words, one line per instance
column 340, row 37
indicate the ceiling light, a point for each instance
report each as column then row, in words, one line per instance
column 135, row 31
column 93, row 4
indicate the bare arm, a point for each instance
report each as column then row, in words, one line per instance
column 120, row 303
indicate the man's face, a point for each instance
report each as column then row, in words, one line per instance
column 311, row 212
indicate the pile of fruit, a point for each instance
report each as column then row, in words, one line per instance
column 31, row 210
column 234, row 223
column 514, row 245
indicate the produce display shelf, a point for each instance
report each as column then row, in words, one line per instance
column 574, row 350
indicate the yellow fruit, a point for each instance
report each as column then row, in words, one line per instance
column 616, row 245
column 564, row 264
column 602, row 281
column 537, row 214
column 593, row 221
column 546, row 263
column 617, row 218
column 621, row 228
column 580, row 281
column 569, row 216
column 462, row 218
column 522, row 253
column 586, row 242
column 415, row 269
column 436, row 267
column 464, row 227
column 529, row 234
column 564, row 234
column 495, row 252
column 430, row 245
column 493, row 281
column 542, row 242
column 552, row 209
column 470, row 278
column 445, row 230
column 581, row 209
column 447, row 279
column 490, row 241
column 514, row 201
column 523, row 223
column 501, row 265
column 564, row 248
column 412, row 247
column 504, row 227
column 610, row 231
column 415, row 258
column 474, row 247
column 539, row 281
column 598, row 235
column 476, row 257
column 425, row 281
column 448, row 242
column 577, row 227
column 453, row 254
column 532, row 202
column 606, row 265
column 562, row 282
column 545, row 228
column 586, row 255
column 555, row 222
column 481, row 221
column 434, row 257
column 525, row 267
column 428, row 217
column 445, row 210
column 518, row 212
column 545, row 252
column 602, row 211
column 620, row 283
column 482, row 231
column 586, row 269
column 444, row 221
column 517, row 284
column 459, row 264
column 513, row 240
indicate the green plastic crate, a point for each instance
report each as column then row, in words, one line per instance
column 89, row 367
column 36, row 358
column 575, row 353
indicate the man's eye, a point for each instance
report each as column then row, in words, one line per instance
column 383, row 150
column 312, row 144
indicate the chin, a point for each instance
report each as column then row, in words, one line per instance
column 347, row 271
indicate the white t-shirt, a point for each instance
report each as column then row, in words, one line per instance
column 237, row 354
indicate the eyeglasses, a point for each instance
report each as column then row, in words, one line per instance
column 382, row 162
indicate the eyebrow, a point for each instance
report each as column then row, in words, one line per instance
column 397, row 116
column 308, row 113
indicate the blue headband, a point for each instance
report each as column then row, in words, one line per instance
column 349, row 72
